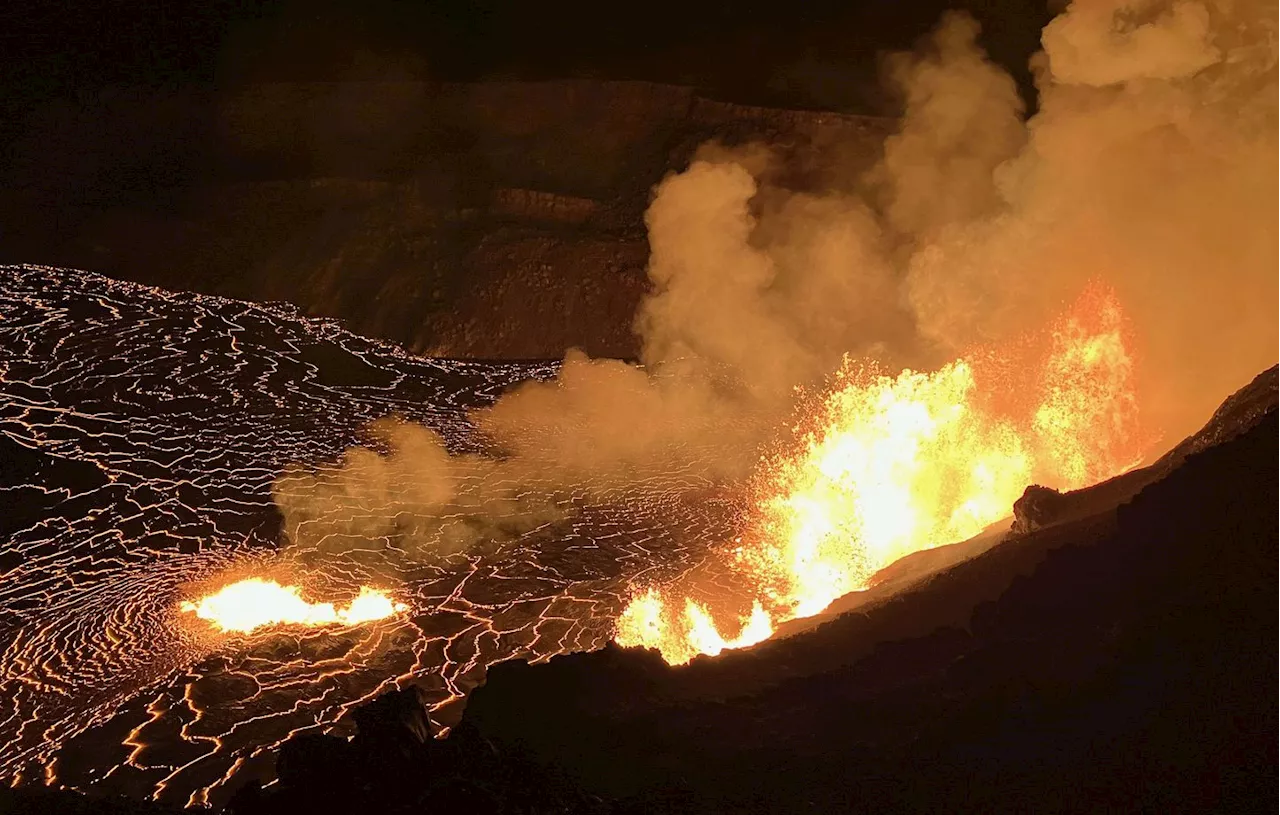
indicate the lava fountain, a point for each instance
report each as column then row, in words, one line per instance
column 255, row 603
column 888, row 465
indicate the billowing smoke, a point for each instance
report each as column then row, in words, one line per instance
column 1150, row 164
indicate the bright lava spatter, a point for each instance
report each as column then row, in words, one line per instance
column 141, row 432
column 254, row 603
column 890, row 465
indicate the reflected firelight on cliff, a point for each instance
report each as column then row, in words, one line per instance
column 889, row 465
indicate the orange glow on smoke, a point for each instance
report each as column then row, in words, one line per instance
column 254, row 603
column 897, row 464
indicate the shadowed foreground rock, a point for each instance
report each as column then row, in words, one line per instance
column 394, row 765
column 1037, row 508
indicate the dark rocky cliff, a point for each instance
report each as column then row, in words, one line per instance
column 496, row 219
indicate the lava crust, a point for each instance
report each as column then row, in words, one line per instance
column 142, row 432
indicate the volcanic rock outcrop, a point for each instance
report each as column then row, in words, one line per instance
column 1037, row 507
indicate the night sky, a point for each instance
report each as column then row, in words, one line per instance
column 820, row 53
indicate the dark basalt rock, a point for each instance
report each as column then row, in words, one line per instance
column 397, row 716
column 1038, row 507
column 1239, row 413
column 317, row 767
column 50, row 801
column 392, row 765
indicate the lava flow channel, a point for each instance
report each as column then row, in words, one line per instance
column 889, row 465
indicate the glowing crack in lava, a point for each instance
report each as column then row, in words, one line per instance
column 143, row 431
column 889, row 465
column 147, row 431
column 254, row 603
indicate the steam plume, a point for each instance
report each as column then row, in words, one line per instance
column 1150, row 163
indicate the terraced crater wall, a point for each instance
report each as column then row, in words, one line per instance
column 487, row 220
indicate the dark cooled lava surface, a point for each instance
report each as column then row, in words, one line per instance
column 140, row 433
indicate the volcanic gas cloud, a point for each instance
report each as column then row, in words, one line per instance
column 880, row 362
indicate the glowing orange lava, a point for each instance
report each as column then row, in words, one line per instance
column 254, row 603
column 901, row 463
column 645, row 622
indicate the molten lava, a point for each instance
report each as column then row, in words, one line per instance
column 254, row 603
column 896, row 464
column 645, row 622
